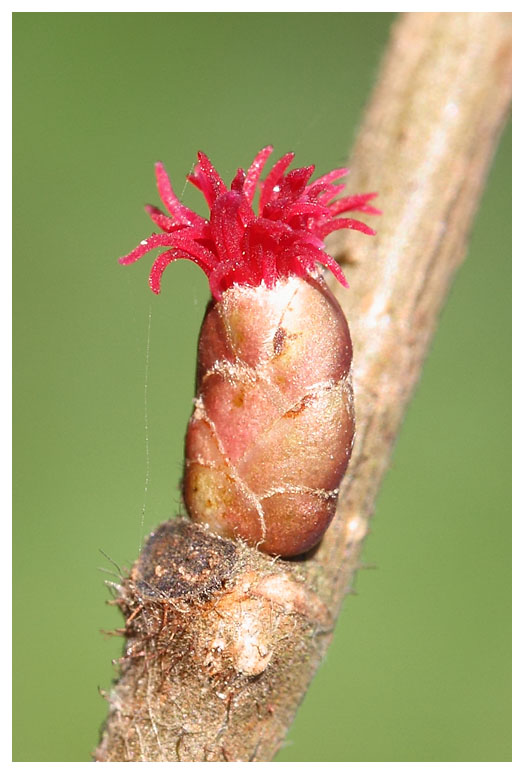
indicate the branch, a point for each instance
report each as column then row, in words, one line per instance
column 222, row 641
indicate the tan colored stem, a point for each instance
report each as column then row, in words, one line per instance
column 216, row 666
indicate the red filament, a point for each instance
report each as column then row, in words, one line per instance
column 237, row 246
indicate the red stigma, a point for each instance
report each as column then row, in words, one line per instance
column 236, row 246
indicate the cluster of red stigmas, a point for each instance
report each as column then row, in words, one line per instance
column 237, row 246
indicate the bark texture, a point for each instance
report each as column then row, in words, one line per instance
column 222, row 641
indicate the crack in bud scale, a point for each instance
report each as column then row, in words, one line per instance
column 273, row 425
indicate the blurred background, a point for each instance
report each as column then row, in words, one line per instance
column 419, row 669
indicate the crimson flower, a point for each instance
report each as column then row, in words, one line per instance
column 236, row 245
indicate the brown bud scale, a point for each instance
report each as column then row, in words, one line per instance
column 272, row 430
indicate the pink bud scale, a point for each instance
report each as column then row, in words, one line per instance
column 272, row 430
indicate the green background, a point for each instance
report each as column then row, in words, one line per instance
column 419, row 669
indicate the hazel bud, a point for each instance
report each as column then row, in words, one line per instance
column 273, row 425
column 272, row 430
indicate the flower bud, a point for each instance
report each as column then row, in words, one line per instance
column 272, row 430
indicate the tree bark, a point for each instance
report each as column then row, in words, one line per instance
column 221, row 640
